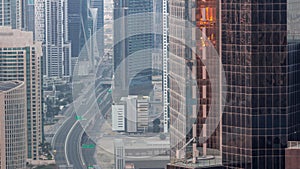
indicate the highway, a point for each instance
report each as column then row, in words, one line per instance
column 70, row 133
column 67, row 140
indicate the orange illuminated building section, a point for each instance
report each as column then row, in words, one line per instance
column 206, row 18
column 206, row 21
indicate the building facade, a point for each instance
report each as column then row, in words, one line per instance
column 118, row 117
column 20, row 59
column 99, row 5
column 57, row 48
column 11, row 13
column 142, row 107
column 293, row 30
column 13, row 147
column 77, row 17
column 133, row 44
column 193, row 39
column 260, row 69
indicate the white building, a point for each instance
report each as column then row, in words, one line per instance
column 131, row 114
column 118, row 117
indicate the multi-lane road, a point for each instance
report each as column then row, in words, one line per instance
column 70, row 135
column 68, row 139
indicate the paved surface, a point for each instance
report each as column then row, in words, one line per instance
column 59, row 140
column 74, row 147
column 67, row 140
column 69, row 133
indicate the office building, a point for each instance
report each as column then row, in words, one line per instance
column 78, row 23
column 142, row 152
column 11, row 13
column 193, row 40
column 20, row 59
column 131, row 114
column 259, row 50
column 57, row 48
column 132, row 47
column 261, row 66
column 13, row 147
column 293, row 38
column 75, row 27
column 99, row 5
column 142, row 107
column 118, row 117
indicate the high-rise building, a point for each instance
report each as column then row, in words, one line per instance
column 99, row 5
column 293, row 29
column 20, row 59
column 85, row 21
column 77, row 17
column 261, row 67
column 13, row 148
column 27, row 15
column 11, row 13
column 132, row 47
column 33, row 18
column 193, row 26
column 57, row 60
column 259, row 49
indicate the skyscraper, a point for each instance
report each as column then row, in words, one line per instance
column 132, row 47
column 99, row 5
column 11, row 13
column 293, row 29
column 260, row 71
column 77, row 17
column 193, row 38
column 13, row 114
column 34, row 18
column 57, row 60
column 20, row 59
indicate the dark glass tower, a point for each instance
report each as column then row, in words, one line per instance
column 78, row 23
column 260, row 73
column 293, row 27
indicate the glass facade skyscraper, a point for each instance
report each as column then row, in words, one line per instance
column 192, row 23
column 260, row 71
column 133, row 47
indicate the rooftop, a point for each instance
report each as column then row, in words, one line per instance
column 8, row 85
column 294, row 145
column 202, row 163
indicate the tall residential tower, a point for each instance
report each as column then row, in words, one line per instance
column 20, row 59
column 11, row 13
column 57, row 60
column 13, row 148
